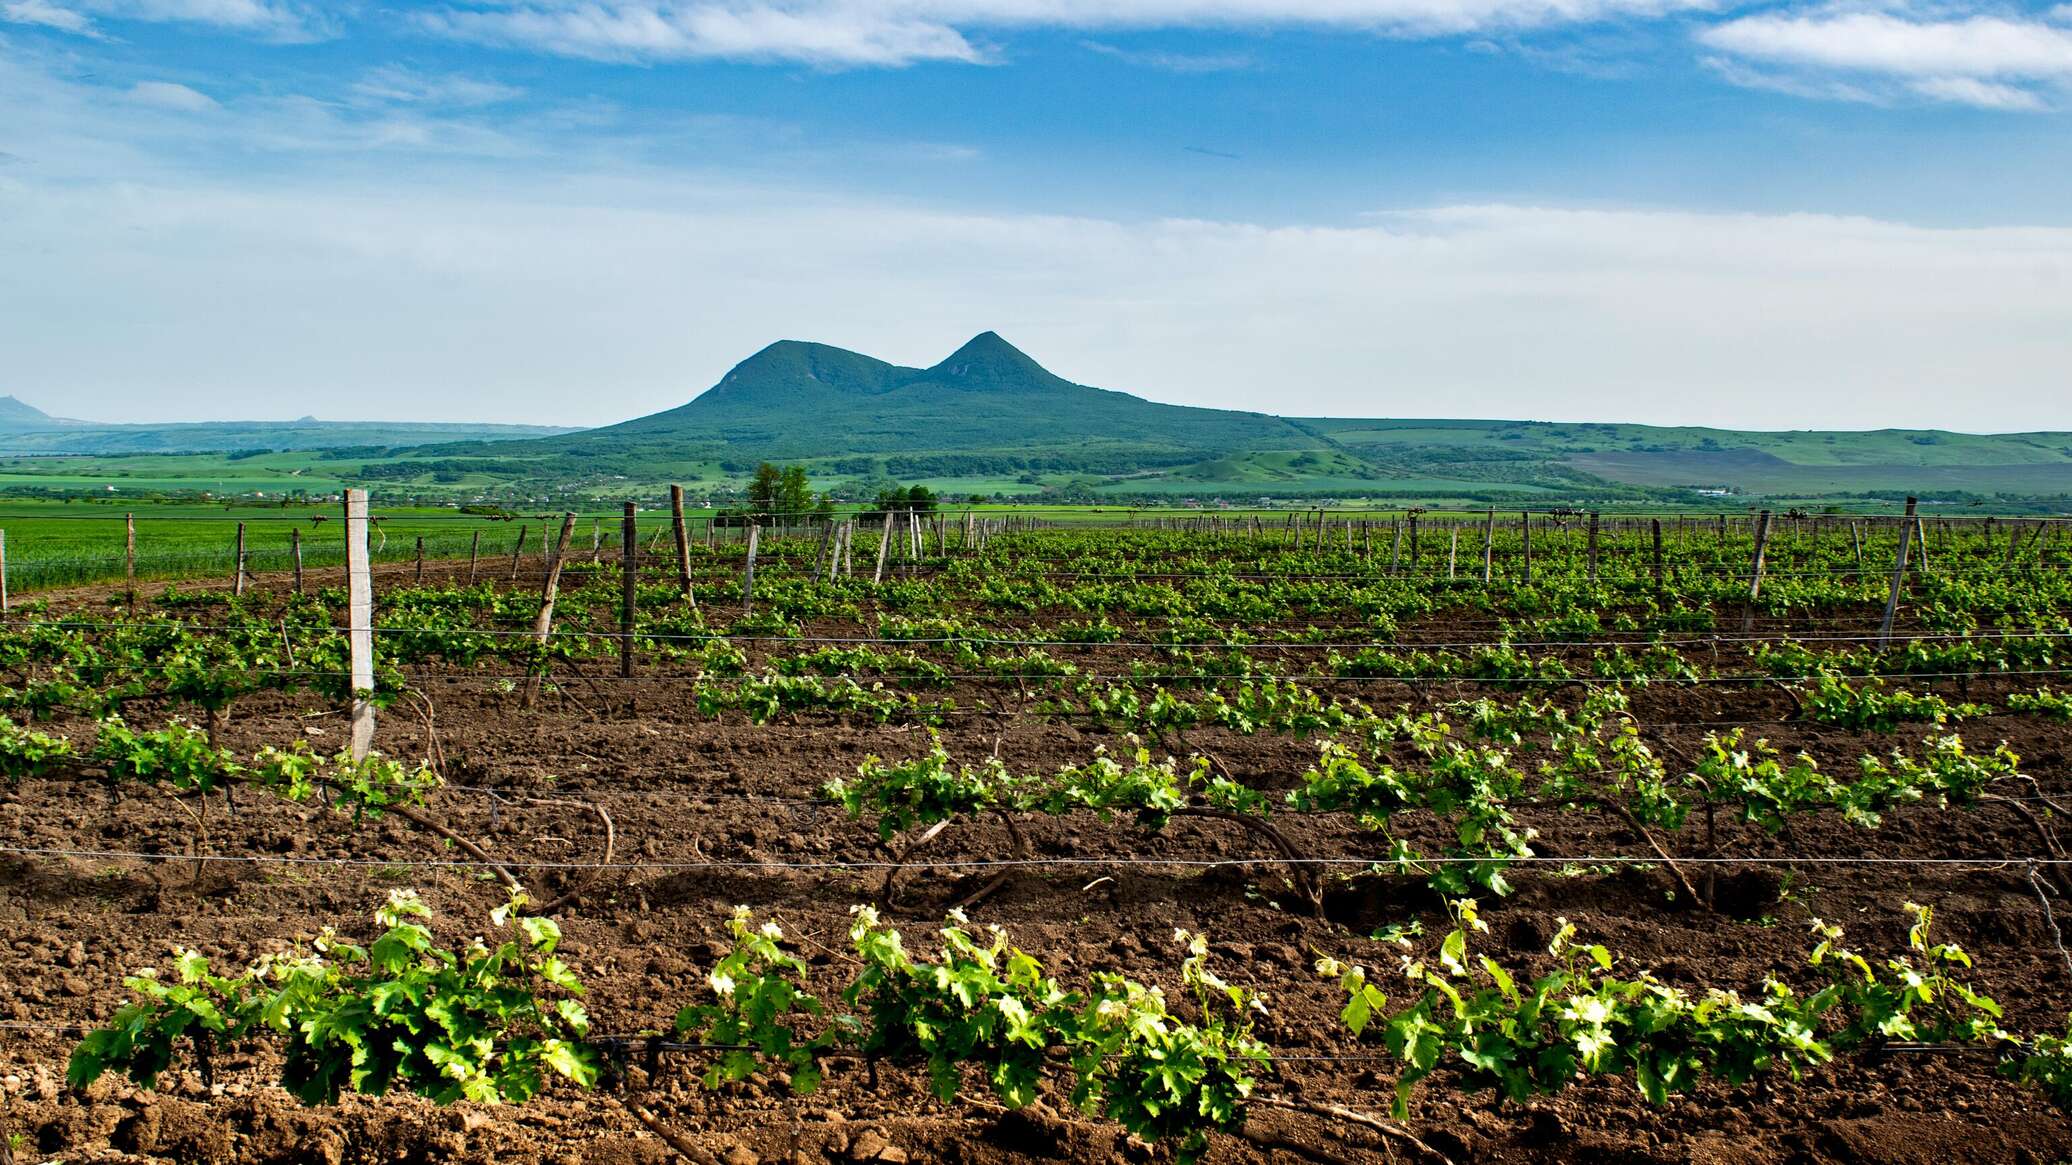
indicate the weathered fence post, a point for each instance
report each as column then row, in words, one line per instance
column 1525, row 535
column 683, row 545
column 518, row 548
column 237, row 580
column 1658, row 551
column 629, row 585
column 884, row 545
column 420, row 558
column 748, row 572
column 474, row 555
column 1489, row 546
column 1593, row 546
column 1899, row 574
column 543, row 623
column 1755, row 571
column 359, row 613
column 294, row 550
column 129, row 556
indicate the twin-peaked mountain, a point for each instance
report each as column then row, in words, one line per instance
column 802, row 400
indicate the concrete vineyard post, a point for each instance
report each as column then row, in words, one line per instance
column 1452, row 550
column 1396, row 547
column 237, row 578
column 748, row 572
column 294, row 550
column 1899, row 574
column 596, row 540
column 1755, row 570
column 1856, row 541
column 129, row 556
column 359, row 611
column 543, row 623
column 1413, row 543
column 683, row 544
column 629, row 584
column 3, row 572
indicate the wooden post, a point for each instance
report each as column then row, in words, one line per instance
column 237, row 581
column 1755, row 571
column 1396, row 547
column 518, row 548
column 420, row 558
column 884, row 545
column 597, row 540
column 543, row 623
column 849, row 548
column 3, row 572
column 129, row 555
column 1593, row 546
column 748, row 572
column 295, row 550
column 1413, row 543
column 359, row 607
column 1658, row 550
column 1525, row 535
column 474, row 555
column 1489, row 546
column 683, row 544
column 629, row 585
column 1899, row 574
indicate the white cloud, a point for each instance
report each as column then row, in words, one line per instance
column 901, row 32
column 168, row 95
column 279, row 20
column 1994, row 62
column 49, row 15
column 398, row 85
column 1983, row 94
column 1170, row 62
column 593, row 303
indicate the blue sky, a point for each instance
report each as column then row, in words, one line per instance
column 1778, row 215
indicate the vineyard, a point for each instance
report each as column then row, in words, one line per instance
column 1320, row 836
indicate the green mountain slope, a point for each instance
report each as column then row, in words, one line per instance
column 26, row 429
column 797, row 400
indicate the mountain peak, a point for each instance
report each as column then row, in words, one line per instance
column 987, row 361
column 18, row 414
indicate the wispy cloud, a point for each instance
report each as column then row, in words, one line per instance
column 905, row 32
column 170, row 95
column 1988, row 61
column 404, row 86
column 278, row 20
column 1172, row 62
column 47, row 14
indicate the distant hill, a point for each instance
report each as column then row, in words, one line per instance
column 989, row 419
column 25, row 428
column 17, row 415
column 986, row 400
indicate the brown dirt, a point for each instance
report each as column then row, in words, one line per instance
column 682, row 788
